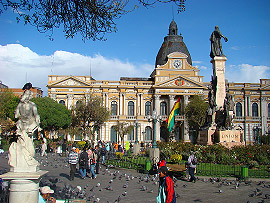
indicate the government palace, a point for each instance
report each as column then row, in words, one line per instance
column 132, row 99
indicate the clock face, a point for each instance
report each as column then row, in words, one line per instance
column 177, row 63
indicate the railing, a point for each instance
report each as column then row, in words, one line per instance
column 115, row 117
column 218, row 170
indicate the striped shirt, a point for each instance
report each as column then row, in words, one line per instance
column 73, row 158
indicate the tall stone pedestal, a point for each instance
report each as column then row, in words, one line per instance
column 219, row 72
column 136, row 149
column 24, row 187
column 205, row 136
column 154, row 155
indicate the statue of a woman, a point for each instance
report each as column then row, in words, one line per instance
column 21, row 154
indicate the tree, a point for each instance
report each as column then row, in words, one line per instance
column 123, row 129
column 195, row 113
column 89, row 114
column 92, row 19
column 53, row 116
column 8, row 104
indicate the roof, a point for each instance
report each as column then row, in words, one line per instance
column 172, row 43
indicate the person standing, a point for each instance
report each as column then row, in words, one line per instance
column 83, row 162
column 192, row 164
column 92, row 162
column 64, row 149
column 43, row 148
column 166, row 192
column 97, row 153
column 72, row 160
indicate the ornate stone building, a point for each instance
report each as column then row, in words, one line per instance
column 133, row 99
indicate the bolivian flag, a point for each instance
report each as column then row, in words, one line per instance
column 175, row 111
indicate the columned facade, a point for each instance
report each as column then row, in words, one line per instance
column 173, row 77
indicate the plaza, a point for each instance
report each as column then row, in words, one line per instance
column 143, row 187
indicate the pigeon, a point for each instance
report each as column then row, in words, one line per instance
column 125, row 193
column 109, row 188
column 143, row 188
column 177, row 195
column 98, row 184
column 220, row 191
column 150, row 191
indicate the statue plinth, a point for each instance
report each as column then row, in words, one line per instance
column 154, row 155
column 219, row 72
column 24, row 187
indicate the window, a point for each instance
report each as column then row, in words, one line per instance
column 78, row 103
column 238, row 109
column 131, row 135
column 148, row 133
column 114, row 108
column 255, row 112
column 62, row 102
column 269, row 110
column 131, row 108
column 113, row 135
column 163, row 108
column 148, row 108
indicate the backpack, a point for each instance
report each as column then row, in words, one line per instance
column 194, row 161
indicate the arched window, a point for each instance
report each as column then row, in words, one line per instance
column 255, row 112
column 163, row 108
column 131, row 108
column 147, row 108
column 78, row 103
column 269, row 110
column 62, row 102
column 131, row 135
column 238, row 109
column 148, row 133
column 113, row 135
column 114, row 108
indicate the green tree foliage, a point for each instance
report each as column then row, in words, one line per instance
column 91, row 19
column 195, row 112
column 123, row 129
column 8, row 103
column 89, row 114
column 53, row 116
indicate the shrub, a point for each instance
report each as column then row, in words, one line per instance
column 176, row 158
column 81, row 144
column 252, row 164
column 119, row 155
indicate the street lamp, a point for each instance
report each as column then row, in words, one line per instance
column 155, row 118
column 136, row 124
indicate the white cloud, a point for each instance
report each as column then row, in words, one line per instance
column 203, row 67
column 19, row 65
column 196, row 62
column 247, row 73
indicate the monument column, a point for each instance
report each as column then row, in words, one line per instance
column 219, row 73
column 186, row 128
column 157, row 103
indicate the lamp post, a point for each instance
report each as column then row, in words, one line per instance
column 257, row 130
column 136, row 124
column 155, row 118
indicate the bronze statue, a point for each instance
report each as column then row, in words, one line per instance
column 216, row 47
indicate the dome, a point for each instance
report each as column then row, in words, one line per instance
column 172, row 43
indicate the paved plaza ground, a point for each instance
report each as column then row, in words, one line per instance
column 129, row 186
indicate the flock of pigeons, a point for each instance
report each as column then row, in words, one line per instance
column 113, row 185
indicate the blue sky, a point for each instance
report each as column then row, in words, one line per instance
column 29, row 56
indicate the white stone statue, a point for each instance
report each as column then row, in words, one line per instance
column 21, row 153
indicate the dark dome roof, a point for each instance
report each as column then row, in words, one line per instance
column 172, row 43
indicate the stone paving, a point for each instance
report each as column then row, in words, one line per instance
column 126, row 185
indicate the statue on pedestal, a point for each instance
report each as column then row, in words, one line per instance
column 216, row 47
column 21, row 153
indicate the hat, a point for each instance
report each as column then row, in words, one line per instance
column 74, row 148
column 46, row 190
column 163, row 169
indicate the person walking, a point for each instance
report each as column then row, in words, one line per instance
column 103, row 153
column 192, row 164
column 83, row 162
column 166, row 192
column 72, row 160
column 92, row 162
